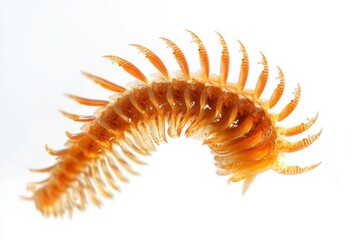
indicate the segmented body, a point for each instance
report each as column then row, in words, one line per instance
column 238, row 127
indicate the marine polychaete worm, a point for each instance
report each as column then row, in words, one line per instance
column 238, row 127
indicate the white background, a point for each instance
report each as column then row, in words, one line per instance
column 44, row 45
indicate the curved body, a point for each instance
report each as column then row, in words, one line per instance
column 238, row 127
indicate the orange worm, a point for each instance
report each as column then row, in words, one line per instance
column 238, row 126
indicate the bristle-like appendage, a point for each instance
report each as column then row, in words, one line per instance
column 203, row 56
column 244, row 69
column 278, row 91
column 261, row 83
column 104, row 83
column 290, row 107
column 283, row 168
column 225, row 61
column 128, row 67
column 87, row 101
column 179, row 56
column 78, row 118
column 154, row 59
column 301, row 127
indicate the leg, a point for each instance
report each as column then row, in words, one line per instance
column 244, row 69
column 275, row 97
column 289, row 108
column 261, row 83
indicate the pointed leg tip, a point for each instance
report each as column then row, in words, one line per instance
column 26, row 198
column 86, row 74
